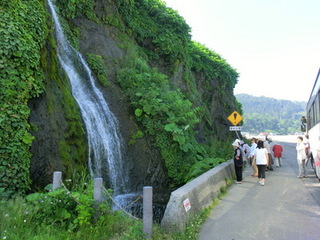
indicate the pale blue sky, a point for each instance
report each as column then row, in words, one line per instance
column 273, row 44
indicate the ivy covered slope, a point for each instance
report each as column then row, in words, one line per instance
column 170, row 94
column 22, row 35
column 31, row 82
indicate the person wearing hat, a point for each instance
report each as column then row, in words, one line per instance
column 238, row 161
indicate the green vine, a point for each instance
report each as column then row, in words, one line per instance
column 22, row 34
column 158, row 29
column 212, row 65
column 72, row 9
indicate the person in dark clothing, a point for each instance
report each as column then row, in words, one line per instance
column 238, row 161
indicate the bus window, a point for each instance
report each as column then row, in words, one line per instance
column 303, row 124
column 312, row 120
column 316, row 110
column 309, row 120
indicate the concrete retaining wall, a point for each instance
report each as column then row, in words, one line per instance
column 199, row 194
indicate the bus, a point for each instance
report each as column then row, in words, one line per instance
column 313, row 125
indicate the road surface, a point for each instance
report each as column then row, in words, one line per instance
column 286, row 208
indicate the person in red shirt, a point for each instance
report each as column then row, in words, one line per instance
column 277, row 154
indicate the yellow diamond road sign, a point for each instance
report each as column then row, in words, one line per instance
column 235, row 118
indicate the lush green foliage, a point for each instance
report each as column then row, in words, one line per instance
column 164, row 114
column 257, row 123
column 262, row 114
column 70, row 209
column 63, row 214
column 218, row 79
column 72, row 215
column 167, row 113
column 22, row 33
column 74, row 8
column 212, row 66
column 203, row 166
column 135, row 136
column 97, row 65
column 160, row 30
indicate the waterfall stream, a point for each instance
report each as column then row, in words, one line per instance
column 102, row 128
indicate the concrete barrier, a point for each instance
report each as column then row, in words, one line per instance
column 194, row 196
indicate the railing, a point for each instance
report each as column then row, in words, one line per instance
column 98, row 193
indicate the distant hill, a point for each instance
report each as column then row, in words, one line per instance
column 264, row 114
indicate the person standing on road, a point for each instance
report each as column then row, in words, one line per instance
column 277, row 154
column 238, row 161
column 261, row 158
column 308, row 151
column 270, row 161
column 301, row 157
column 246, row 148
column 252, row 159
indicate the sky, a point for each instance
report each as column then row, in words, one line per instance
column 273, row 44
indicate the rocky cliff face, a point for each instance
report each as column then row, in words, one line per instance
column 60, row 143
column 50, row 116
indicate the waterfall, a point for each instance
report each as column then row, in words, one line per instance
column 102, row 128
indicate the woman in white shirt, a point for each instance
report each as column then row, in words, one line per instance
column 252, row 160
column 261, row 157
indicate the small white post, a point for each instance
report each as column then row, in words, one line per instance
column 147, row 211
column 57, row 176
column 97, row 191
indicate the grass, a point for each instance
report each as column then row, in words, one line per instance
column 23, row 219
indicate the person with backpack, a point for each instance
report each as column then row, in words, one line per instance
column 238, row 161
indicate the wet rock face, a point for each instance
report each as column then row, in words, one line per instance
column 45, row 154
column 144, row 162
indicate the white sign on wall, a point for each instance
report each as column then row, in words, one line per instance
column 187, row 205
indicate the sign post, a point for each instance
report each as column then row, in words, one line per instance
column 235, row 118
column 235, row 128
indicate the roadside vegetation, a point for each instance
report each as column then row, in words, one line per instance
column 68, row 215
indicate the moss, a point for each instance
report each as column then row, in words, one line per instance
column 97, row 65
column 65, row 122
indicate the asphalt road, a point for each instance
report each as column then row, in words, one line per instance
column 286, row 208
